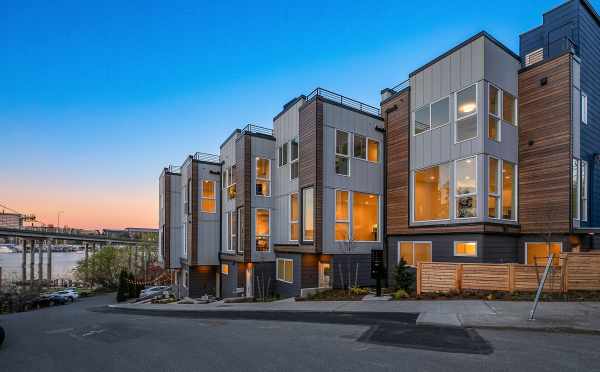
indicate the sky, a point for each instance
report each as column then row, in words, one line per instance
column 97, row 97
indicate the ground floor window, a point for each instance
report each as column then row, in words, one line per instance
column 466, row 249
column 414, row 252
column 285, row 270
column 538, row 253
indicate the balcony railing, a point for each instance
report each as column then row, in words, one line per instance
column 175, row 169
column 211, row 158
column 338, row 98
column 251, row 128
column 400, row 87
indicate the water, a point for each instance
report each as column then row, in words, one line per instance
column 62, row 265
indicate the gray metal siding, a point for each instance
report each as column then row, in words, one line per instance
column 209, row 223
column 229, row 282
column 263, row 148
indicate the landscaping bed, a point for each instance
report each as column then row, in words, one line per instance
column 507, row 296
column 354, row 294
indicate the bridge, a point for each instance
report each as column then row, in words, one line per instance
column 47, row 233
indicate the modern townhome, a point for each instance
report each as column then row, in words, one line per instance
column 190, row 220
column 328, row 190
column 490, row 154
column 246, row 253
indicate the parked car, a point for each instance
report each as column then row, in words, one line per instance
column 153, row 291
column 65, row 295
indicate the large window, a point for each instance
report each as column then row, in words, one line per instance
column 538, row 253
column 365, row 217
column 360, row 146
column 414, row 252
column 240, row 230
column 285, row 270
column 465, row 249
column 509, row 108
column 465, row 187
column 575, row 195
column 493, row 188
column 263, row 177
column 342, row 153
column 432, row 116
column 263, row 230
column 342, row 215
column 494, row 113
column 294, row 166
column 431, row 193
column 508, row 191
column 230, row 226
column 584, row 108
column 228, row 183
column 466, row 114
column 308, row 217
column 283, row 154
column 373, row 150
column 208, row 197
column 584, row 190
column 294, row 217
column 232, row 223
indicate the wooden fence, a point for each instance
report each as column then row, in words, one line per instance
column 576, row 272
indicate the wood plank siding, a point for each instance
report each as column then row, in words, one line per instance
column 311, row 163
column 244, row 189
column 545, row 146
column 166, row 233
column 195, row 211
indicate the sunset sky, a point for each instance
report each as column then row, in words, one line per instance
column 97, row 97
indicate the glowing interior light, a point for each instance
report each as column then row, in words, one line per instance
column 467, row 108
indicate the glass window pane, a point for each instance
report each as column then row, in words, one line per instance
column 341, row 142
column 308, row 214
column 466, row 102
column 341, row 231
column 493, row 176
column 285, row 153
column 208, row 189
column 492, row 206
column 294, row 207
column 537, row 254
column 231, row 192
column 280, row 269
column 422, row 120
column 294, row 231
column 360, row 146
column 575, row 189
column 494, row 128
column 262, row 168
column 422, row 252
column 289, row 271
column 466, row 128
column 262, row 222
column 432, row 189
column 406, row 252
column 466, row 182
column 508, row 108
column 556, row 249
column 465, row 248
column 373, row 150
column 508, row 190
column 466, row 207
column 494, row 101
column 294, row 170
column 294, row 151
column 263, row 188
column 365, row 217
column 208, row 205
column 342, row 165
column 440, row 113
column 341, row 205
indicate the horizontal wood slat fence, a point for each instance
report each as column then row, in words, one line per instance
column 577, row 272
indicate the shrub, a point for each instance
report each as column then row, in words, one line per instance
column 132, row 288
column 359, row 291
column 400, row 294
column 123, row 287
column 405, row 279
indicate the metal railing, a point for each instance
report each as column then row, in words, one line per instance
column 400, row 87
column 251, row 128
column 174, row 169
column 202, row 156
column 338, row 98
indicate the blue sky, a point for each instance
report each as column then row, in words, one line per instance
column 95, row 98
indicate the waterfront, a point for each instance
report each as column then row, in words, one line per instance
column 62, row 265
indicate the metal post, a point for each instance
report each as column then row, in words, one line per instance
column 24, row 262
column 32, row 262
column 541, row 287
column 41, row 262
column 49, row 270
column 87, row 268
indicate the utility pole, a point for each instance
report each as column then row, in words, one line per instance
column 58, row 218
column 49, row 270
column 24, row 262
column 41, row 262
column 32, row 263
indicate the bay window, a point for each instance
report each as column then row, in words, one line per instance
column 466, row 114
column 294, row 166
column 493, row 188
column 208, row 197
column 294, row 213
column 465, row 187
column 508, row 191
column 262, row 229
column 308, row 218
column 342, row 215
column 263, row 177
column 494, row 126
column 342, row 153
column 365, row 217
column 431, row 193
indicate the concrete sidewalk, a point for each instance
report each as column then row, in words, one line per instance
column 577, row 317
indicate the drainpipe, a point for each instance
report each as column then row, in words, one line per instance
column 385, row 177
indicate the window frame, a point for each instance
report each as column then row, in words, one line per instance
column 351, row 216
column 498, row 115
column 575, row 166
column 294, row 160
column 468, row 242
column 548, row 246
column 257, row 179
column 475, row 113
column 414, row 116
column 584, row 192
column 303, row 216
column 347, row 222
column 515, row 111
column 412, row 242
column 476, row 193
column 282, row 278
column 202, row 197
column 290, row 221
column 354, row 148
column 515, row 190
column 226, row 271
column 283, row 155
column 498, row 193
column 347, row 156
column 256, row 235
column 584, row 108
column 413, row 195
column 240, row 229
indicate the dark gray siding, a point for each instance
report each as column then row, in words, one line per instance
column 286, row 289
column 264, row 279
column 357, row 267
column 203, row 281
column 229, row 282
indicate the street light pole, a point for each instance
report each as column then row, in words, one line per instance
column 58, row 218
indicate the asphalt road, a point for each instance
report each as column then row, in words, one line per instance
column 73, row 338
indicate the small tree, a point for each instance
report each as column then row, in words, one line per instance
column 123, row 287
column 405, row 279
column 132, row 287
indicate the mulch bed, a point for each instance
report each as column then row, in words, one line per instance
column 333, row 295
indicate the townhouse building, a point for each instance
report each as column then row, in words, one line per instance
column 481, row 155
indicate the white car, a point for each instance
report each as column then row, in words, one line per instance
column 67, row 294
column 152, row 291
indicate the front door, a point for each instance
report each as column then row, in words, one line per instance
column 324, row 275
column 249, row 281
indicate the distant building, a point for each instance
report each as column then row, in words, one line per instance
column 11, row 220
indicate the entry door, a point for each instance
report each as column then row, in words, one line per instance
column 324, row 275
column 249, row 282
